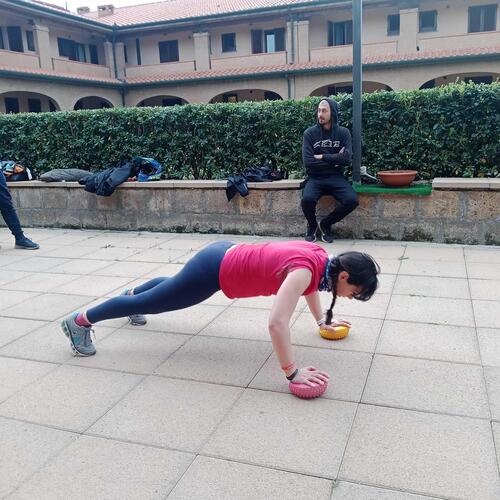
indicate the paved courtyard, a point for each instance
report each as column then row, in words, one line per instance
column 194, row 406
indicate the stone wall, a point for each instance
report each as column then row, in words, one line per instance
column 457, row 211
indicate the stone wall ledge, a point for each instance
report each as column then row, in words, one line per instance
column 168, row 184
column 466, row 184
column 442, row 183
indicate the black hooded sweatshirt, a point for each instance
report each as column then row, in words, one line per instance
column 318, row 141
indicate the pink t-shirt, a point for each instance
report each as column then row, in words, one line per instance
column 252, row 270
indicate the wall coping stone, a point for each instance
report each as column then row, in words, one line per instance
column 459, row 183
column 177, row 184
column 453, row 183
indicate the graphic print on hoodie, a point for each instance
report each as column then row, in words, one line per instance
column 318, row 141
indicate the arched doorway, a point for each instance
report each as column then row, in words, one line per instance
column 486, row 78
column 27, row 102
column 346, row 87
column 246, row 95
column 162, row 100
column 92, row 102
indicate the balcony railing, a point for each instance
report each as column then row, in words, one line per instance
column 249, row 61
column 80, row 68
column 19, row 59
column 158, row 69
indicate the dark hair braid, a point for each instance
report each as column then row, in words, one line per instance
column 362, row 270
column 334, row 274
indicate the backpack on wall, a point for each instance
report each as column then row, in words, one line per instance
column 14, row 171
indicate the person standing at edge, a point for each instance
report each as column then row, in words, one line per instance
column 11, row 219
column 326, row 149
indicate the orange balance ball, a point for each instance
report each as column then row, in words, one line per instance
column 339, row 332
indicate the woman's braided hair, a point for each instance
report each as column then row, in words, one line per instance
column 362, row 270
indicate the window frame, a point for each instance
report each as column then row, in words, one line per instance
column 93, row 54
column 30, row 41
column 12, row 100
column 482, row 17
column 428, row 29
column 224, row 37
column 393, row 32
column 346, row 33
column 34, row 102
column 12, row 33
column 168, row 43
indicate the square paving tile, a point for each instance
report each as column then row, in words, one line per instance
column 132, row 351
column 485, row 289
column 483, row 270
column 492, row 376
column 496, row 435
column 281, row 424
column 80, row 266
column 386, row 283
column 362, row 336
column 352, row 491
column 376, row 307
column 489, row 345
column 418, row 340
column 431, row 286
column 486, row 313
column 127, row 269
column 13, row 328
column 212, row 479
column 241, row 323
column 10, row 277
column 347, row 371
column 431, row 310
column 156, row 255
column 92, row 286
column 419, row 384
column 9, row 298
column 110, row 469
column 381, row 251
column 111, row 253
column 41, row 282
column 69, row 397
column 18, row 373
column 162, row 270
column 188, row 321
column 422, row 452
column 433, row 268
column 217, row 360
column 435, row 253
column 36, row 264
column 173, row 413
column 387, row 266
column 482, row 254
column 48, row 343
column 26, row 448
column 47, row 307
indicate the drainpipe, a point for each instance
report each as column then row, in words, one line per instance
column 113, row 42
column 291, row 18
column 357, row 82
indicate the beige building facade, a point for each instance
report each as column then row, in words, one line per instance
column 191, row 51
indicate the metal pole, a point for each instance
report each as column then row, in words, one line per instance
column 357, row 79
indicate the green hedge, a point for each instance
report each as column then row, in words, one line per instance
column 446, row 131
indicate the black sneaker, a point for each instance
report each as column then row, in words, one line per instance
column 326, row 233
column 26, row 244
column 311, row 233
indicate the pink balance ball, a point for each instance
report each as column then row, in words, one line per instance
column 305, row 391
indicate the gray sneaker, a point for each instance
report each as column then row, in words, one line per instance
column 135, row 319
column 79, row 336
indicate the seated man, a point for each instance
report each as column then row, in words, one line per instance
column 326, row 149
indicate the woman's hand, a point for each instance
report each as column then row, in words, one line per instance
column 337, row 322
column 310, row 376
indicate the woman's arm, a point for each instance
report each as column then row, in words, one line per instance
column 279, row 320
column 314, row 305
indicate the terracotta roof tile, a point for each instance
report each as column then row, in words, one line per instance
column 337, row 63
column 171, row 10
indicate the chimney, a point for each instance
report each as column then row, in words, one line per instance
column 82, row 10
column 105, row 10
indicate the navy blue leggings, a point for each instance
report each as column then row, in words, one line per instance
column 197, row 280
